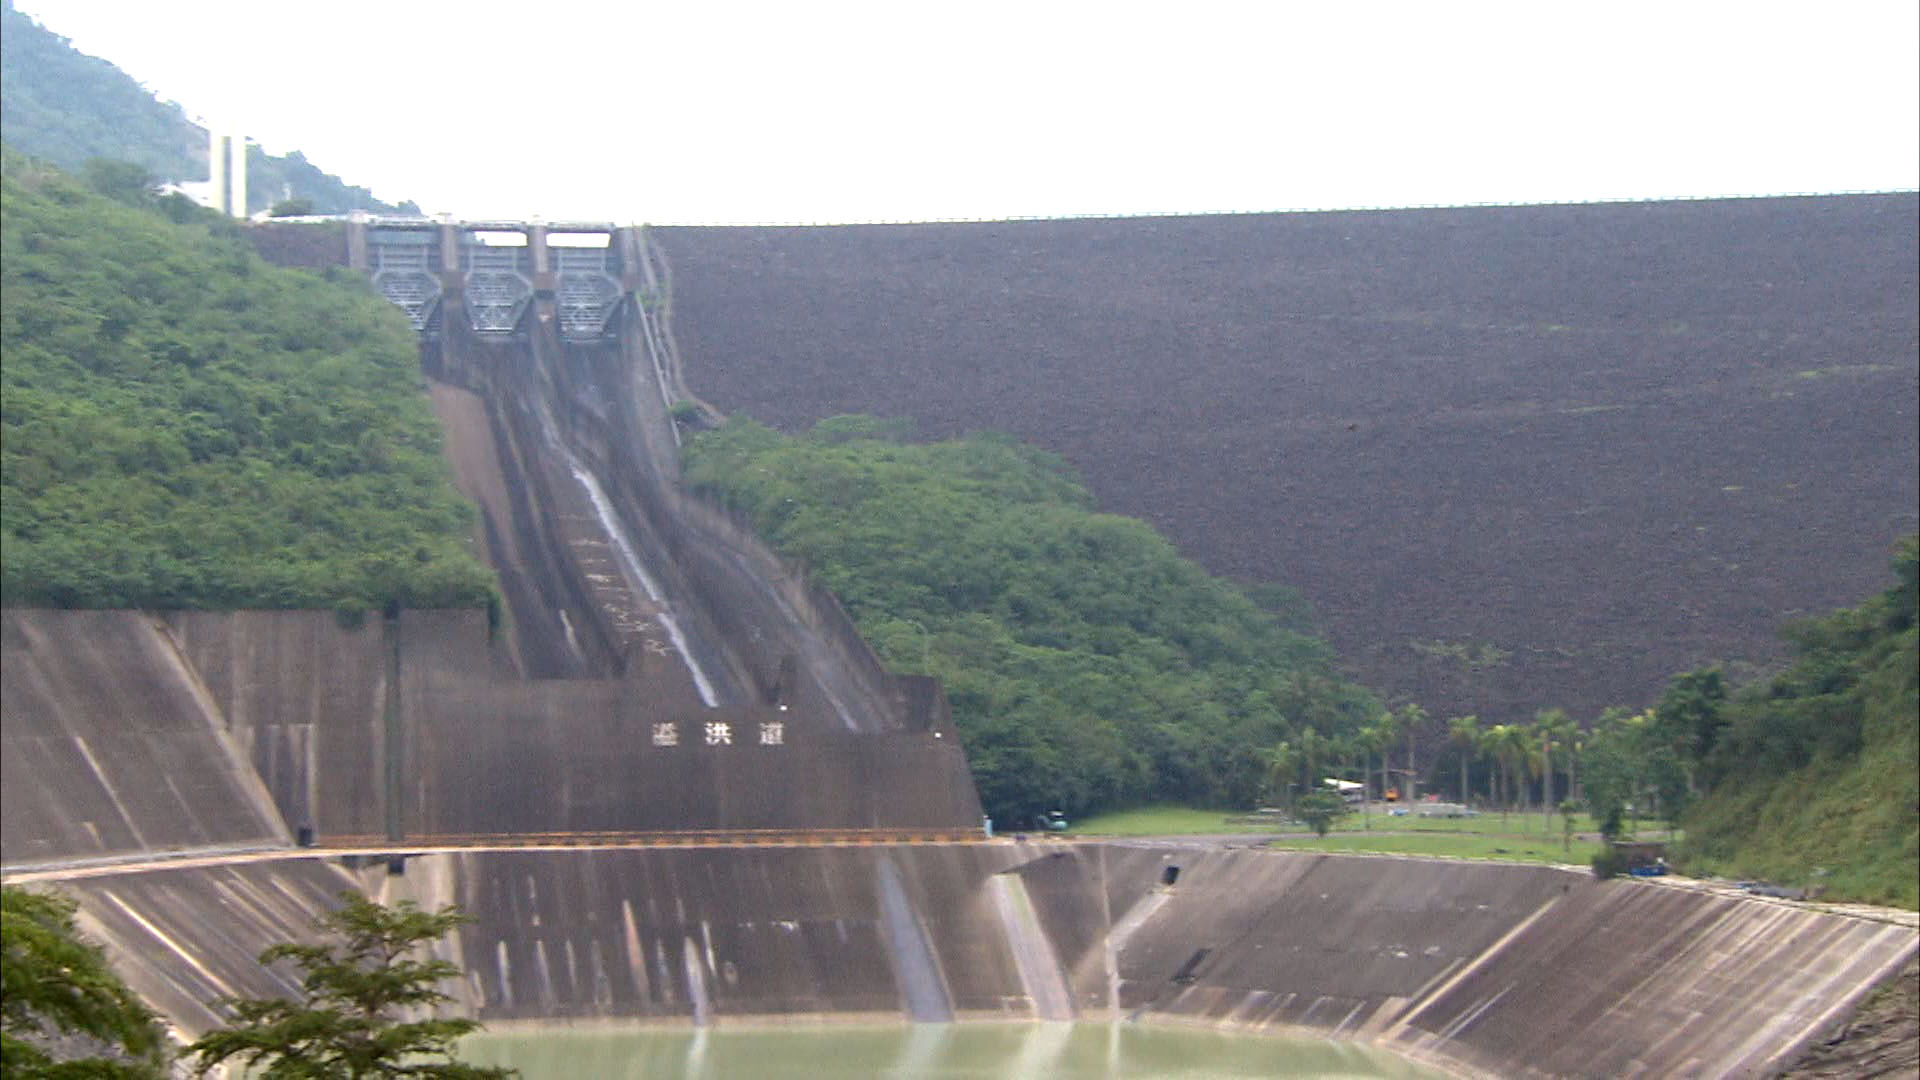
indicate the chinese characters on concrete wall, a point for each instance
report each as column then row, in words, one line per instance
column 719, row 733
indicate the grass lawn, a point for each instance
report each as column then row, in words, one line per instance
column 1522, row 837
column 1455, row 845
column 1487, row 824
column 1166, row 821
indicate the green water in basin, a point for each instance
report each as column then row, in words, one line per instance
column 987, row 1051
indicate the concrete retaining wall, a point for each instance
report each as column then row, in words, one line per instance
column 127, row 733
column 302, row 694
column 1628, row 979
column 1482, row 969
column 113, row 746
column 695, row 933
column 184, row 938
column 1332, row 944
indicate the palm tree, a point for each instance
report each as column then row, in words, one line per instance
column 1374, row 738
column 1547, row 725
column 1464, row 732
column 1567, row 737
column 1390, row 727
column 1511, row 747
column 1351, row 748
column 1576, row 741
column 1527, row 754
column 1411, row 718
column 1485, row 745
column 1282, row 760
column 1313, row 747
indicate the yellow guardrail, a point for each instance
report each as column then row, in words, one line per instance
column 664, row 838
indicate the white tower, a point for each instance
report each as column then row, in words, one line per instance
column 216, row 168
column 237, row 145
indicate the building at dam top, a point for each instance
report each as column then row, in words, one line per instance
column 488, row 273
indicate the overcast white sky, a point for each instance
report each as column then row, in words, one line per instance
column 723, row 111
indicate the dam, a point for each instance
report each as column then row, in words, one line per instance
column 674, row 787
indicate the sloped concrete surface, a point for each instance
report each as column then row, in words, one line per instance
column 1481, row 969
column 302, row 694
column 1314, row 941
column 798, row 930
column 1623, row 979
column 187, row 937
column 113, row 746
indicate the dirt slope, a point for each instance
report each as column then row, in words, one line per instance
column 1584, row 446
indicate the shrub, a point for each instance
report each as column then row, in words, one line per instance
column 1609, row 863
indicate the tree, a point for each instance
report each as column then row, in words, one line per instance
column 1282, row 760
column 1374, row 739
column 1390, row 725
column 1510, row 747
column 1615, row 764
column 1553, row 725
column 1464, row 731
column 1320, row 809
column 1690, row 717
column 1313, row 748
column 1411, row 719
column 353, row 994
column 56, row 984
column 122, row 181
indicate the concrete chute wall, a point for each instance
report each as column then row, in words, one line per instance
column 114, row 747
column 555, row 410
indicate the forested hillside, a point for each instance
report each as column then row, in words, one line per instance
column 1089, row 665
column 66, row 107
column 1811, row 775
column 184, row 426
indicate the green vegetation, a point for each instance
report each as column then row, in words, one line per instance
column 65, row 107
column 1320, row 810
column 57, row 987
column 1810, row 778
column 365, row 1004
column 1168, row 820
column 1089, row 665
column 183, row 426
column 1570, row 841
column 1458, row 845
